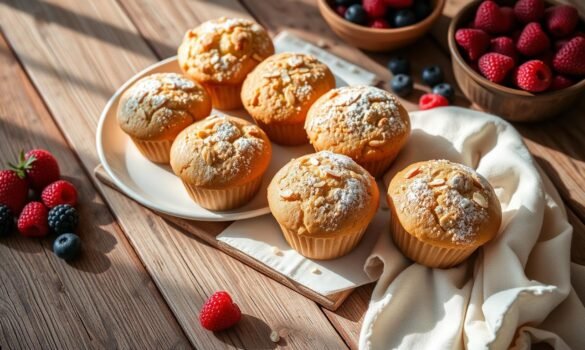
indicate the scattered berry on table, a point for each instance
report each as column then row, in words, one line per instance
column 374, row 8
column 67, row 246
column 561, row 20
column 6, row 220
column 399, row 65
column 503, row 45
column 341, row 10
column 379, row 23
column 399, row 4
column 40, row 167
column 429, row 101
column 59, row 192
column 475, row 42
column 508, row 18
column 13, row 190
column 489, row 18
column 533, row 40
column 533, row 76
column 495, row 66
column 422, row 9
column 432, row 75
column 63, row 218
column 219, row 312
column 32, row 221
column 401, row 85
column 570, row 59
column 356, row 14
column 445, row 90
column 527, row 11
column 560, row 82
column 403, row 18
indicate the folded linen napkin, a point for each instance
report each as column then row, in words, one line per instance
column 517, row 289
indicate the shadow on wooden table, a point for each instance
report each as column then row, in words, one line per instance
column 250, row 325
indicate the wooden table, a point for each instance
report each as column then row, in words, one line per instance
column 141, row 279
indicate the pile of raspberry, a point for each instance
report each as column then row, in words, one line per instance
column 528, row 46
column 383, row 13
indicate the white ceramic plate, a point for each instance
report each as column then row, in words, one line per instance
column 155, row 186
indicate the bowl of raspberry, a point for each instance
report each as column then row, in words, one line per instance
column 523, row 60
column 380, row 25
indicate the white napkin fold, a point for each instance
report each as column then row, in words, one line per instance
column 515, row 290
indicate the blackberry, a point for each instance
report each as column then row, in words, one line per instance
column 63, row 219
column 6, row 220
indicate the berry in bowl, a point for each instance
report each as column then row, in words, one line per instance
column 522, row 60
column 380, row 25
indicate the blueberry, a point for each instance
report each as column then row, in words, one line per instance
column 401, row 85
column 356, row 14
column 403, row 18
column 346, row 2
column 432, row 75
column 445, row 90
column 6, row 220
column 422, row 9
column 399, row 65
column 67, row 246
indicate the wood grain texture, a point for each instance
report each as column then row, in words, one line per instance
column 77, row 53
column 105, row 299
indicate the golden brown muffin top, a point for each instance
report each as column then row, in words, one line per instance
column 157, row 107
column 363, row 122
column 323, row 194
column 445, row 204
column 284, row 86
column 220, row 151
column 224, row 50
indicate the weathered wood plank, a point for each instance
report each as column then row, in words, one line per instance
column 105, row 299
column 77, row 53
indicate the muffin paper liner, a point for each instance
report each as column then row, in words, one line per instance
column 323, row 248
column 225, row 97
column 156, row 151
column 225, row 198
column 285, row 134
column 378, row 167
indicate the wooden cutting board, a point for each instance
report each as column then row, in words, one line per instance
column 331, row 302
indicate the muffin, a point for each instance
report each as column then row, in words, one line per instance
column 279, row 92
column 441, row 212
column 220, row 53
column 323, row 203
column 221, row 161
column 362, row 122
column 155, row 109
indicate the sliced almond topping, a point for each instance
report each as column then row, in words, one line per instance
column 314, row 161
column 382, row 122
column 276, row 251
column 207, row 155
column 332, row 173
column 273, row 74
column 316, row 271
column 257, row 57
column 376, row 143
column 288, row 194
column 290, row 96
column 322, row 43
column 412, row 172
column 319, row 201
column 436, row 182
column 303, row 70
column 202, row 133
column 480, row 199
column 320, row 184
column 285, row 77
column 274, row 337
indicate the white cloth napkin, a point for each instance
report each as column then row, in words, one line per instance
column 517, row 289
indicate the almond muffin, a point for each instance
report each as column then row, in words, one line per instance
column 363, row 122
column 221, row 161
column 220, row 53
column 323, row 203
column 441, row 212
column 279, row 92
column 155, row 109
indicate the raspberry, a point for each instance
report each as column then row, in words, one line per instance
column 527, row 11
column 570, row 59
column 533, row 76
column 40, row 166
column 503, row 45
column 560, row 82
column 374, row 8
column 219, row 312
column 59, row 192
column 33, row 220
column 533, row 40
column 430, row 101
column 489, row 18
column 561, row 20
column 13, row 190
column 379, row 24
column 474, row 41
column 63, row 219
column 398, row 4
column 495, row 66
column 6, row 220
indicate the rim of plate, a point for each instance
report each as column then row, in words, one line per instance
column 213, row 216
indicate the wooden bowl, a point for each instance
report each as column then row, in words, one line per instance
column 377, row 40
column 509, row 103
